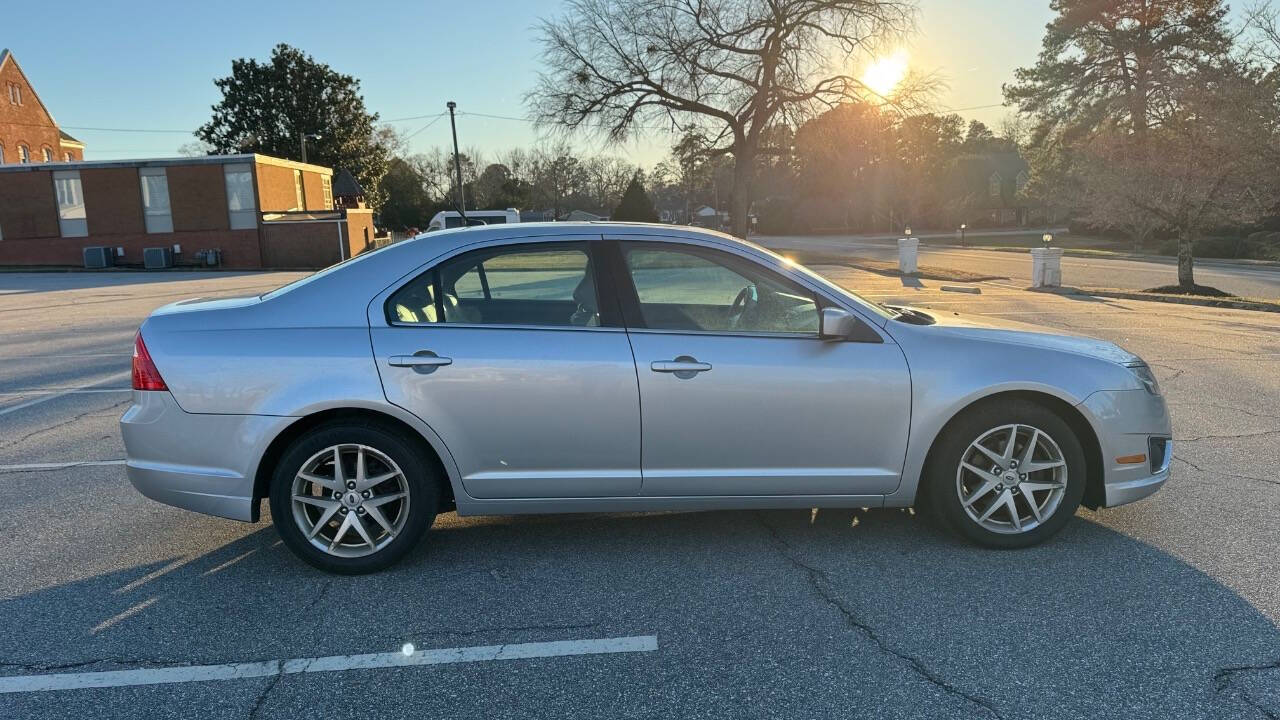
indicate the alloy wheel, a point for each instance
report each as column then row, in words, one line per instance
column 1011, row 479
column 350, row 500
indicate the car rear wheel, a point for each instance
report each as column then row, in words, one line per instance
column 1006, row 474
column 353, row 498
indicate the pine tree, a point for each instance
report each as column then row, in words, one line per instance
column 635, row 205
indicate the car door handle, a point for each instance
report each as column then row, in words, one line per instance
column 417, row 361
column 680, row 366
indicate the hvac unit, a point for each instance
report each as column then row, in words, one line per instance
column 156, row 258
column 99, row 257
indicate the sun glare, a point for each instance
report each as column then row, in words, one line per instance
column 883, row 75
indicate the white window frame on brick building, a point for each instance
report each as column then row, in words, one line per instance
column 24, row 154
column 156, row 210
column 72, row 219
column 326, row 186
column 241, row 204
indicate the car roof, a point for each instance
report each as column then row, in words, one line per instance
column 457, row 237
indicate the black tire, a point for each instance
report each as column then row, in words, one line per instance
column 941, row 494
column 419, row 475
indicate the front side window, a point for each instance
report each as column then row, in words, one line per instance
column 24, row 154
column 240, row 201
column 544, row 285
column 709, row 291
column 155, row 200
column 72, row 220
column 48, row 154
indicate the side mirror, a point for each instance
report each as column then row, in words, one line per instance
column 841, row 325
column 837, row 324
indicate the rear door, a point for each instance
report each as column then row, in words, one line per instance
column 739, row 394
column 509, row 355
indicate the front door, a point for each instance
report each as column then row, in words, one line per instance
column 505, row 354
column 739, row 395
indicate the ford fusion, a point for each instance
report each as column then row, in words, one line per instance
column 548, row 368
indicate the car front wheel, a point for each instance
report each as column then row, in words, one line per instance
column 1007, row 474
column 351, row 498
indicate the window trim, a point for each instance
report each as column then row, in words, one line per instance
column 629, row 297
column 248, row 169
column 610, row 320
column 24, row 154
column 147, row 213
column 70, row 227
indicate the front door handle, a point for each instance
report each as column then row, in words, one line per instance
column 683, row 367
column 423, row 361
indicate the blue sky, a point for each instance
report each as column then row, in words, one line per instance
column 150, row 64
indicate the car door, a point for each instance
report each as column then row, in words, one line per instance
column 509, row 355
column 739, row 395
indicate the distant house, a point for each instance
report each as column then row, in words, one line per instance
column 584, row 216
column 989, row 187
column 28, row 133
column 708, row 217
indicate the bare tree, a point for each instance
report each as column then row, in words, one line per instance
column 728, row 68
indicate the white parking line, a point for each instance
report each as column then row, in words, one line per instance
column 28, row 467
column 332, row 663
column 57, row 394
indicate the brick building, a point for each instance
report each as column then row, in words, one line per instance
column 28, row 133
column 256, row 211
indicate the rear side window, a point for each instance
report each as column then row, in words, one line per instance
column 549, row 285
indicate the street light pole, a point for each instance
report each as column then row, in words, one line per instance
column 457, row 164
column 305, row 137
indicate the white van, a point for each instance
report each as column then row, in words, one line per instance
column 452, row 219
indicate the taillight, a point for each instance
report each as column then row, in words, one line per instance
column 145, row 374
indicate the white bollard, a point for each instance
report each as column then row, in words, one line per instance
column 907, row 247
column 1046, row 267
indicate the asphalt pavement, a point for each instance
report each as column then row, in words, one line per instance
column 1244, row 279
column 1164, row 608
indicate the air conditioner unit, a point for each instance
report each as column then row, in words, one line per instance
column 156, row 258
column 99, row 257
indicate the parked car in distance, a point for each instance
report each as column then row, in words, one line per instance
column 515, row 369
column 449, row 219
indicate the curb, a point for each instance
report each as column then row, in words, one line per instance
column 1101, row 254
column 1231, row 303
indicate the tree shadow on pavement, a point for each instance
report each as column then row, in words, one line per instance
column 757, row 614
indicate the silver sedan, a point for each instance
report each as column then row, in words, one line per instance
column 565, row 367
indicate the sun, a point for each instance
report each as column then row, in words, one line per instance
column 883, row 75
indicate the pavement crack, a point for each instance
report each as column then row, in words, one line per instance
column 820, row 581
column 324, row 590
column 1222, row 682
column 1236, row 436
column 79, row 416
column 262, row 696
column 1200, row 469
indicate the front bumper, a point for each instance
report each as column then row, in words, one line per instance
column 1131, row 423
column 200, row 462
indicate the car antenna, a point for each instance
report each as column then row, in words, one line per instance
column 460, row 202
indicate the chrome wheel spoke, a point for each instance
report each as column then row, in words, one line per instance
column 358, row 524
column 375, row 512
column 383, row 500
column 368, row 522
column 1023, row 450
column 324, row 482
column 987, row 487
column 1038, row 466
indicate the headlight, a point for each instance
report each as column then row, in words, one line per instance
column 1147, row 377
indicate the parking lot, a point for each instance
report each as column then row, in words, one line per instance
column 1164, row 608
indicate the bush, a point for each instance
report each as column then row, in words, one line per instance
column 1258, row 246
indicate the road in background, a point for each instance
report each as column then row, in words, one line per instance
column 1164, row 608
column 1245, row 280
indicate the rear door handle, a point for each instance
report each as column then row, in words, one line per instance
column 424, row 359
column 683, row 366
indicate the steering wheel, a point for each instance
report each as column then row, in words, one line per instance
column 746, row 300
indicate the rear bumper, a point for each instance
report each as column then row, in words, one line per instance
column 205, row 463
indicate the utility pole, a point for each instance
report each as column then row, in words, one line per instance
column 457, row 164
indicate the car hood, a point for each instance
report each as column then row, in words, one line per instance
column 1016, row 333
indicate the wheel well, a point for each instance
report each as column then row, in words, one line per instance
column 274, row 451
column 1093, row 490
